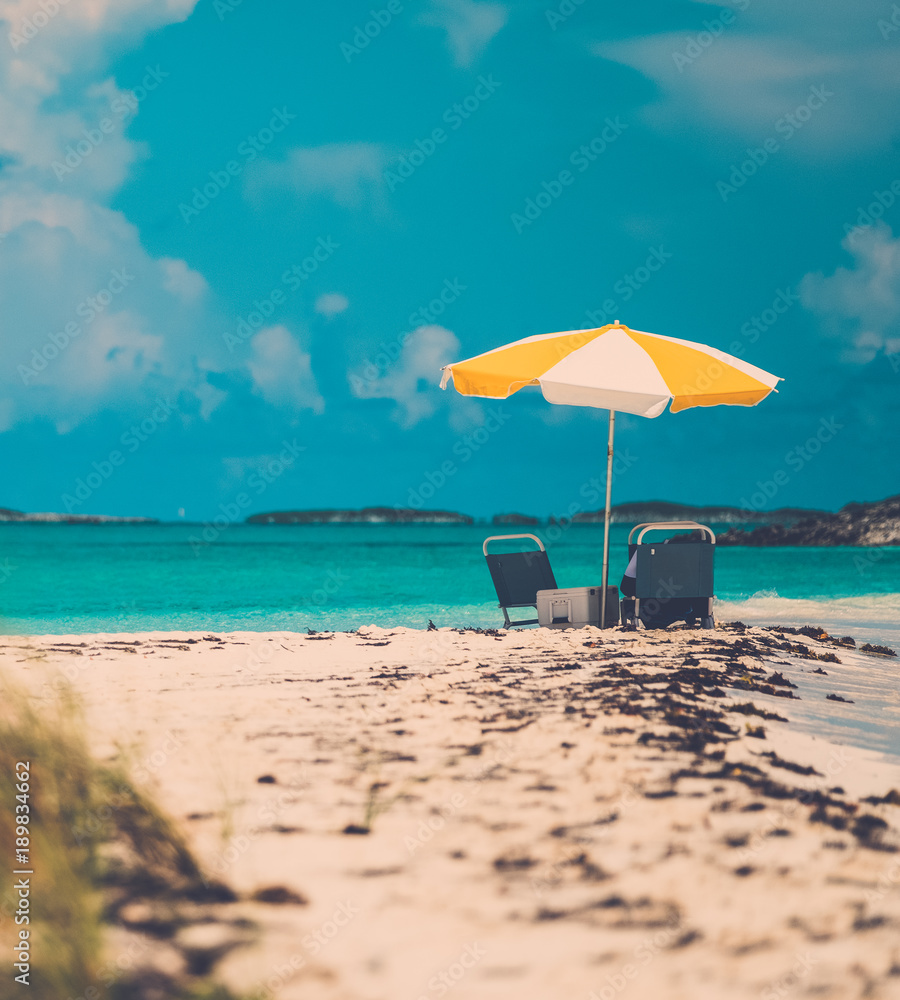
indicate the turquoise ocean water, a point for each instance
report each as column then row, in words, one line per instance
column 58, row 579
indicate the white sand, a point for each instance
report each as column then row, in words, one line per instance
column 513, row 850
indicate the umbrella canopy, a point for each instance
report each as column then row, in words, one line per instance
column 613, row 368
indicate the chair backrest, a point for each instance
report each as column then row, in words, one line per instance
column 518, row 576
column 665, row 571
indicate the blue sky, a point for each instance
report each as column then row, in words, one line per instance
column 240, row 239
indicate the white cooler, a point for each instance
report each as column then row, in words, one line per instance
column 574, row 607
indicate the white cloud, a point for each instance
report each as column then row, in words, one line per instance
column 347, row 173
column 181, row 280
column 282, row 371
column 412, row 381
column 332, row 304
column 67, row 151
column 94, row 228
column 743, row 77
column 76, row 30
column 94, row 321
column 860, row 305
column 470, row 26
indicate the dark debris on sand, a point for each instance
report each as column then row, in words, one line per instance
column 867, row 647
column 686, row 704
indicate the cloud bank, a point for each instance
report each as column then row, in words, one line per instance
column 860, row 305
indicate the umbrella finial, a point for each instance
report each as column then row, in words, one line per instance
column 617, row 322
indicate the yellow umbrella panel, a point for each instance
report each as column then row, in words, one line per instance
column 613, row 368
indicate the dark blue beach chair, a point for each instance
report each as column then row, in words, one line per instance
column 518, row 576
column 673, row 582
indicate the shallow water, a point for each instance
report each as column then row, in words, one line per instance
column 108, row 578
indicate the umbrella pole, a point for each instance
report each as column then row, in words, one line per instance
column 609, row 465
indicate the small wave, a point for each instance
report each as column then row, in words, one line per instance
column 870, row 617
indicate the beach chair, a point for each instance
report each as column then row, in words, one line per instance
column 673, row 582
column 518, row 576
column 525, row 580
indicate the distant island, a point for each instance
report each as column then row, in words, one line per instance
column 857, row 524
column 661, row 510
column 20, row 517
column 626, row 513
column 368, row 515
column 515, row 521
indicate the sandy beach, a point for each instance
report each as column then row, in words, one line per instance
column 569, row 814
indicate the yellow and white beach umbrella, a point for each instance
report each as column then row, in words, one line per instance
column 613, row 368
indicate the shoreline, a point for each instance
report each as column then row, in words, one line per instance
column 868, row 617
column 569, row 809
